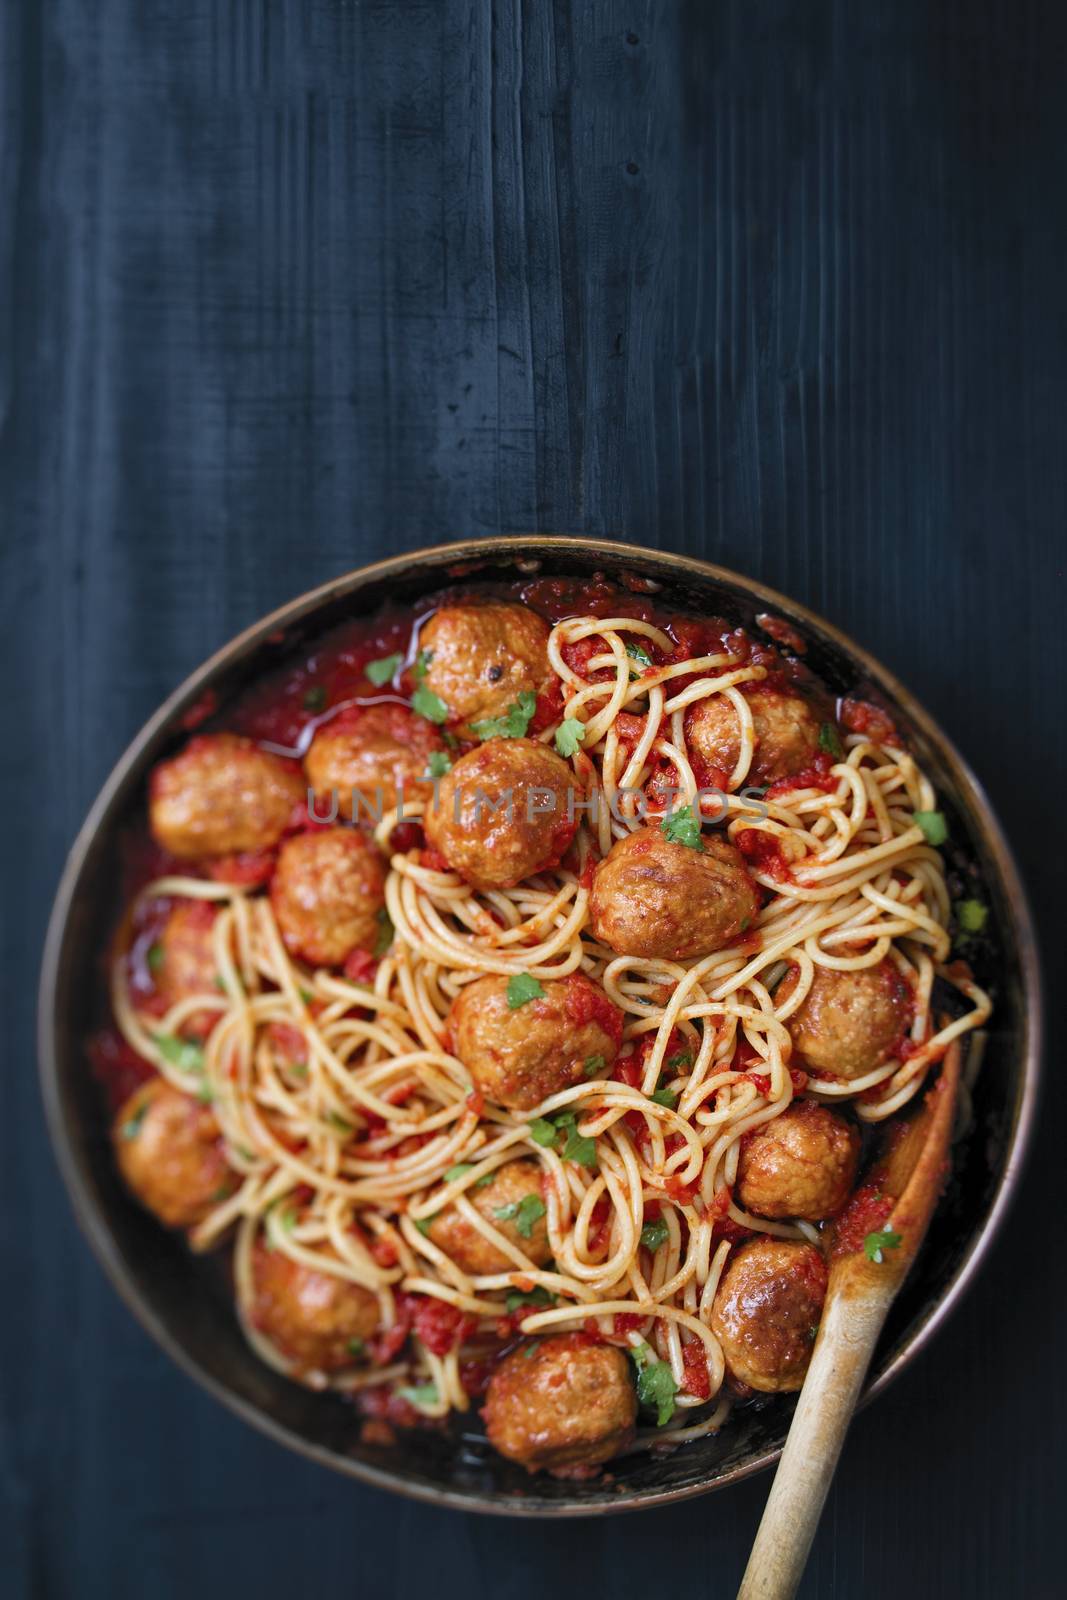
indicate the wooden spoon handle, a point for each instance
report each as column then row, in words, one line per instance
column 847, row 1337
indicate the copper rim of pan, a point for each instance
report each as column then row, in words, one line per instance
column 528, row 553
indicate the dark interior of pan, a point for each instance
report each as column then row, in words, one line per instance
column 185, row 1302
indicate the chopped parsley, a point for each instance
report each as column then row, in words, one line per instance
column 438, row 764
column 654, row 1233
column 421, row 1396
column 335, row 1120
column 132, row 1126
column 971, row 915
column 315, row 698
column 481, row 1182
column 523, row 1213
column 422, row 662
column 424, row 1224
column 830, row 741
column 681, row 827
column 543, row 1132
column 383, row 670
column 530, row 1349
column 429, row 705
column 569, row 736
column 684, row 1058
column 638, row 653
column 355, row 1347
column 306, row 995
column 155, row 957
column 561, row 1133
column 933, row 825
column 665, row 1097
column 458, row 1171
column 180, row 1053
column 592, row 1065
column 529, row 1297
column 384, row 937
column 875, row 1243
column 656, row 1387
column 513, row 724
column 522, row 989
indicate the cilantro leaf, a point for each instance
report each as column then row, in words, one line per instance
column 524, row 1213
column 933, row 825
column 580, row 1149
column 422, row 662
column 429, row 705
column 424, row 1224
column 181, row 1053
column 638, row 653
column 335, row 1120
column 971, row 915
column 875, row 1243
column 355, row 1347
column 569, row 736
column 681, row 827
column 543, row 1132
column 420, row 1396
column 383, row 670
column 830, row 741
column 684, row 1058
column 513, row 724
column 654, row 1233
column 592, row 1065
column 438, row 764
column 656, row 1387
column 460, row 1168
column 522, row 989
column 665, row 1097
column 530, row 1297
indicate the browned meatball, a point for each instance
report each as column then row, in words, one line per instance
column 481, row 656
column 509, row 1186
column 183, row 962
column 168, row 1149
column 222, row 795
column 652, row 897
column 318, row 1320
column 377, row 753
column 800, row 1164
column 849, row 1022
column 502, row 813
column 520, row 1055
column 785, row 725
column 766, row 1312
column 327, row 890
column 561, row 1402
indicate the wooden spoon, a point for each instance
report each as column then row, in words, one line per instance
column 911, row 1172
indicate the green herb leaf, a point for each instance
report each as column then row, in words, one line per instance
column 383, row 670
column 875, row 1243
column 180, row 1053
column 355, row 1347
column 530, row 1349
column 458, row 1171
column 543, row 1132
column 971, row 915
column 481, row 1182
column 830, row 741
column 424, row 1224
column 580, row 1149
column 384, row 937
column 933, row 825
column 684, row 1058
column 429, row 705
column 665, row 1097
column 340, row 1123
column 132, row 1126
column 569, row 736
column 522, row 989
column 681, row 827
column 531, row 1297
column 592, row 1065
column 422, row 662
column 637, row 652
column 513, row 724
column 438, row 764
column 656, row 1387
column 421, row 1396
column 655, row 1233
column 287, row 1220
column 315, row 698
column 155, row 957
column 524, row 1213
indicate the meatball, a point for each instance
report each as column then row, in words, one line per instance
column 378, row 753
column 169, row 1150
column 502, row 813
column 519, row 1056
column 509, row 1186
column 327, row 891
column 785, row 725
column 800, row 1164
column 849, row 1022
column 481, row 656
column 766, row 1312
column 654, row 898
column 183, row 962
column 561, row 1402
column 221, row 796
column 316, row 1319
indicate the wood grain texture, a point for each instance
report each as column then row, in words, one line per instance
column 286, row 285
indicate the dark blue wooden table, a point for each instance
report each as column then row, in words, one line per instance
column 286, row 285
